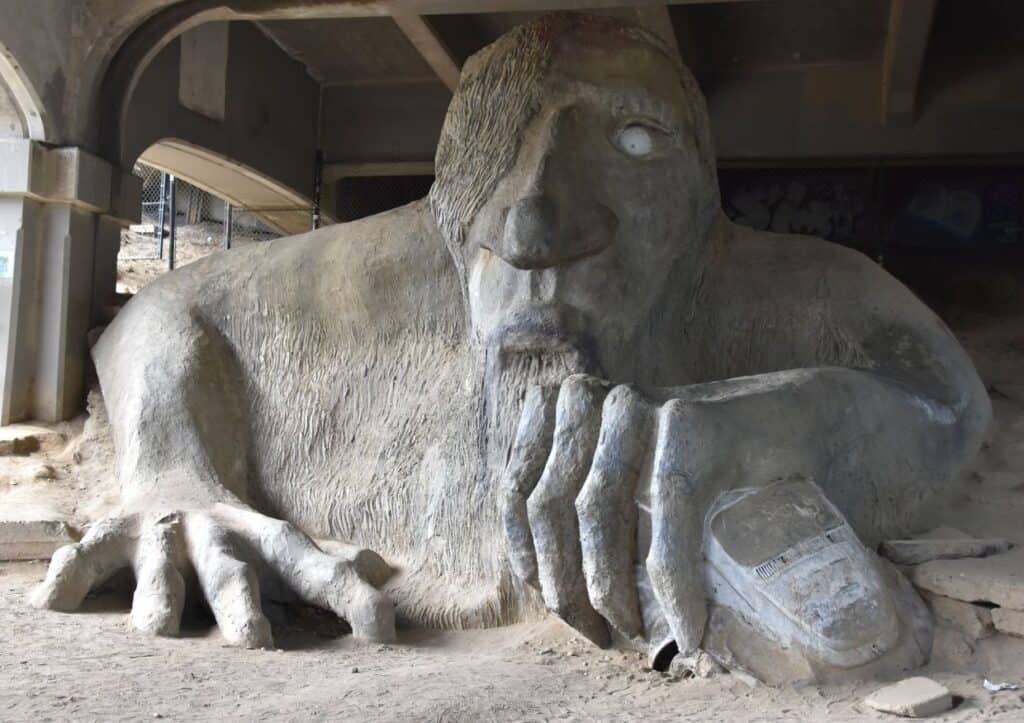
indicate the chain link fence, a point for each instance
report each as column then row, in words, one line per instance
column 152, row 193
column 179, row 224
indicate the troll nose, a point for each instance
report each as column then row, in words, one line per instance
column 529, row 237
column 539, row 234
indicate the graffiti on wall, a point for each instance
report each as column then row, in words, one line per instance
column 956, row 212
column 912, row 206
column 824, row 207
column 974, row 209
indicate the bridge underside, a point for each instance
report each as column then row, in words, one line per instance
column 275, row 106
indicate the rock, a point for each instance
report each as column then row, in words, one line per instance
column 45, row 471
column 974, row 621
column 998, row 579
column 1009, row 621
column 951, row 647
column 27, row 438
column 914, row 697
column 32, row 539
column 698, row 665
column 943, row 543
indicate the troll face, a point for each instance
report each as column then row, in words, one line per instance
column 576, row 189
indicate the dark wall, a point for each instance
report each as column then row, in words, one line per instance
column 360, row 197
column 396, row 122
column 270, row 115
column 954, row 234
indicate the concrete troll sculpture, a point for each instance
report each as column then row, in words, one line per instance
column 563, row 381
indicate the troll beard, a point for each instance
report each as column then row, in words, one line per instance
column 507, row 375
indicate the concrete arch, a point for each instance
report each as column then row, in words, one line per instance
column 134, row 59
column 21, row 94
column 278, row 206
column 266, row 123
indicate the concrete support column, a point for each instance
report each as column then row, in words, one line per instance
column 61, row 211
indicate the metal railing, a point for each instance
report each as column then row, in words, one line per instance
column 171, row 206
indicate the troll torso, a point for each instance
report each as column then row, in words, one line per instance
column 365, row 391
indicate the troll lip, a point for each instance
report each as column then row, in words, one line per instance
column 543, row 327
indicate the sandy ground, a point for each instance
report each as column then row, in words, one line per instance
column 94, row 666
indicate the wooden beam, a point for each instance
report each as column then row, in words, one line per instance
column 321, row 9
column 423, row 36
column 336, row 171
column 656, row 19
column 910, row 24
column 678, row 34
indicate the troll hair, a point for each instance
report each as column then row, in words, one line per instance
column 499, row 93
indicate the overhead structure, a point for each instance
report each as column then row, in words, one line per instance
column 280, row 207
column 256, row 94
column 26, row 101
column 657, row 19
column 910, row 23
column 422, row 35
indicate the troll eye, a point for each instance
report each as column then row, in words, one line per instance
column 635, row 140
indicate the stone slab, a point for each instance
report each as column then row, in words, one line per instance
column 32, row 539
column 28, row 438
column 972, row 620
column 914, row 697
column 944, row 532
column 1009, row 621
column 915, row 552
column 997, row 579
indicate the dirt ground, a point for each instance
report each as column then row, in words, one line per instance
column 138, row 263
column 93, row 665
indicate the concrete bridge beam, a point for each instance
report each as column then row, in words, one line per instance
column 61, row 212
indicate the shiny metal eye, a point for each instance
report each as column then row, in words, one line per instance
column 635, row 140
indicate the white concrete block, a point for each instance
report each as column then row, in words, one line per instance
column 914, row 698
column 16, row 157
column 79, row 178
column 32, row 539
